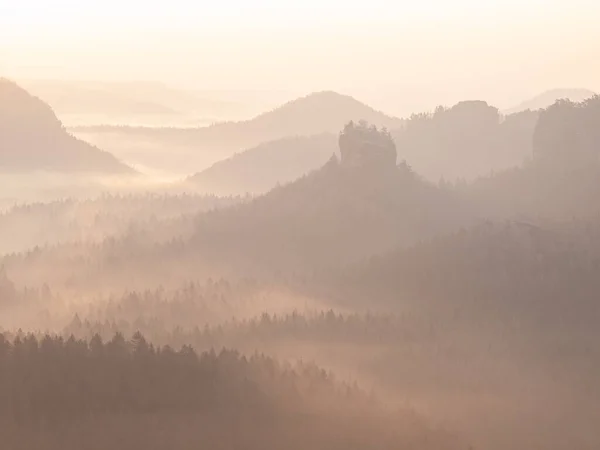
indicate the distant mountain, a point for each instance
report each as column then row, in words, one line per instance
column 261, row 168
column 68, row 97
column 319, row 112
column 127, row 103
column 33, row 139
column 199, row 148
column 547, row 98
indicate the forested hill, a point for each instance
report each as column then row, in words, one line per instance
column 513, row 268
column 561, row 180
column 317, row 113
column 73, row 394
column 259, row 169
column 351, row 208
column 468, row 140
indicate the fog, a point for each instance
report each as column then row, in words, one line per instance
column 401, row 57
column 306, row 226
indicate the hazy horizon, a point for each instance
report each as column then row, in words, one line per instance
column 310, row 225
column 399, row 57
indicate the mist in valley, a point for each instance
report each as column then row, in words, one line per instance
column 211, row 239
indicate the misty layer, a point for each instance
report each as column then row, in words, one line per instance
column 449, row 262
column 33, row 139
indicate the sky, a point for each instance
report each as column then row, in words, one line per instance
column 419, row 53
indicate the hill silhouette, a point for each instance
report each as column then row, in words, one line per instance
column 199, row 148
column 261, row 168
column 351, row 208
column 33, row 139
column 550, row 215
column 561, row 179
column 125, row 103
column 469, row 140
column 547, row 98
column 466, row 141
column 196, row 399
column 348, row 210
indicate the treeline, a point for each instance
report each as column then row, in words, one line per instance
column 61, row 379
column 561, row 178
column 466, row 141
column 542, row 274
column 261, row 331
column 147, row 203
column 333, row 216
column 26, row 226
column 189, row 304
column 73, row 394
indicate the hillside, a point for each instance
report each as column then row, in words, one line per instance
column 547, row 98
column 33, row 139
column 350, row 209
column 500, row 268
column 561, row 179
column 517, row 306
column 261, row 168
column 474, row 303
column 196, row 149
column 157, row 397
column 466, row 141
column 40, row 224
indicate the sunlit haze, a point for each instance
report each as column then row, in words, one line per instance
column 400, row 55
column 300, row 225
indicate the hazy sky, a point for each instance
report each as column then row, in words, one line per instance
column 420, row 52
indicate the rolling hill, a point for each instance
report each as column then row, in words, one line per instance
column 196, row 149
column 261, row 168
column 32, row 139
column 352, row 208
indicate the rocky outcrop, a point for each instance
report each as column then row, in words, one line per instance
column 364, row 146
